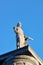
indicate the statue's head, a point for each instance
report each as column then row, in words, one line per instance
column 17, row 28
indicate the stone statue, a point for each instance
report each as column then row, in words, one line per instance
column 21, row 39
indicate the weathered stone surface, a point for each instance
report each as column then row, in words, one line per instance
column 22, row 56
column 21, row 60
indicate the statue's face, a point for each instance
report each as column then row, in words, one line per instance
column 16, row 29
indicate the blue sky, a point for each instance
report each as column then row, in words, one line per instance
column 30, row 13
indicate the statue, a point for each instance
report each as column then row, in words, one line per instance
column 21, row 39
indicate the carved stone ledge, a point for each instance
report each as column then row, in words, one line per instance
column 22, row 60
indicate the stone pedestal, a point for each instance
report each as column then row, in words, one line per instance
column 22, row 56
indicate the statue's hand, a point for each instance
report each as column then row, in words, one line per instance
column 31, row 38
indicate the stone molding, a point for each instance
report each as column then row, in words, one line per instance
column 22, row 60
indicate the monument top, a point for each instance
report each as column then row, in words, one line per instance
column 21, row 38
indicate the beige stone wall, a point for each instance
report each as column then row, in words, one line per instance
column 21, row 60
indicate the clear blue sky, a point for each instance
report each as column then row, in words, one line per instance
column 30, row 13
